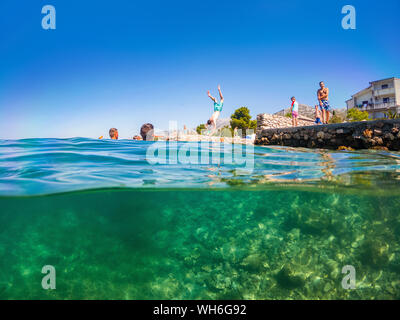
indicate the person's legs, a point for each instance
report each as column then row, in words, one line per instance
column 322, row 114
column 326, row 108
column 294, row 118
column 327, row 116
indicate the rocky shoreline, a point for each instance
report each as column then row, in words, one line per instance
column 379, row 134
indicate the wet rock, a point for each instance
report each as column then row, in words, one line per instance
column 232, row 294
column 380, row 124
column 389, row 136
column 254, row 262
column 367, row 133
column 341, row 148
column 288, row 279
column 395, row 263
column 379, row 148
column 375, row 253
column 377, row 141
column 327, row 287
column 359, row 135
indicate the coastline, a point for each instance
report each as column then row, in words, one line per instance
column 378, row 134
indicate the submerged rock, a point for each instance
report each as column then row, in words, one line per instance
column 375, row 253
column 341, row 148
column 288, row 279
column 254, row 262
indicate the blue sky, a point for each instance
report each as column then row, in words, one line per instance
column 123, row 63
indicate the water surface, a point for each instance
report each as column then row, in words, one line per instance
column 116, row 227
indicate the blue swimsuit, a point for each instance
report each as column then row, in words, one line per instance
column 218, row 106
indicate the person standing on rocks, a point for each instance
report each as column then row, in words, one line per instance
column 323, row 99
column 295, row 112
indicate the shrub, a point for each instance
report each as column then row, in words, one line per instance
column 355, row 114
column 336, row 117
column 200, row 128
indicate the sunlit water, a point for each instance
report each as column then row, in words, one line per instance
column 115, row 226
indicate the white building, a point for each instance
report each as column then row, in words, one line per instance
column 381, row 96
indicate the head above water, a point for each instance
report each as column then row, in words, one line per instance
column 113, row 133
column 147, row 132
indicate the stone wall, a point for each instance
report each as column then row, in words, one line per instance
column 379, row 134
column 304, row 110
column 266, row 121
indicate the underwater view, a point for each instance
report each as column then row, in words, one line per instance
column 116, row 226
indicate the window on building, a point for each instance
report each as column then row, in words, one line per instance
column 385, row 86
column 385, row 100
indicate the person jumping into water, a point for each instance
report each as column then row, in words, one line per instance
column 217, row 108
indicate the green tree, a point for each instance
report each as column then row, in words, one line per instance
column 200, row 128
column 354, row 114
column 241, row 119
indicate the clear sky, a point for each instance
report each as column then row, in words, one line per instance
column 122, row 63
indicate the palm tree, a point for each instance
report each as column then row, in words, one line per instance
column 390, row 114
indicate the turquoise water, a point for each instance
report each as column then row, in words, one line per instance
column 116, row 227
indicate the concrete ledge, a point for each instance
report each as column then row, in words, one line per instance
column 379, row 134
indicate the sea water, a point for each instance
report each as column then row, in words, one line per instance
column 115, row 226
